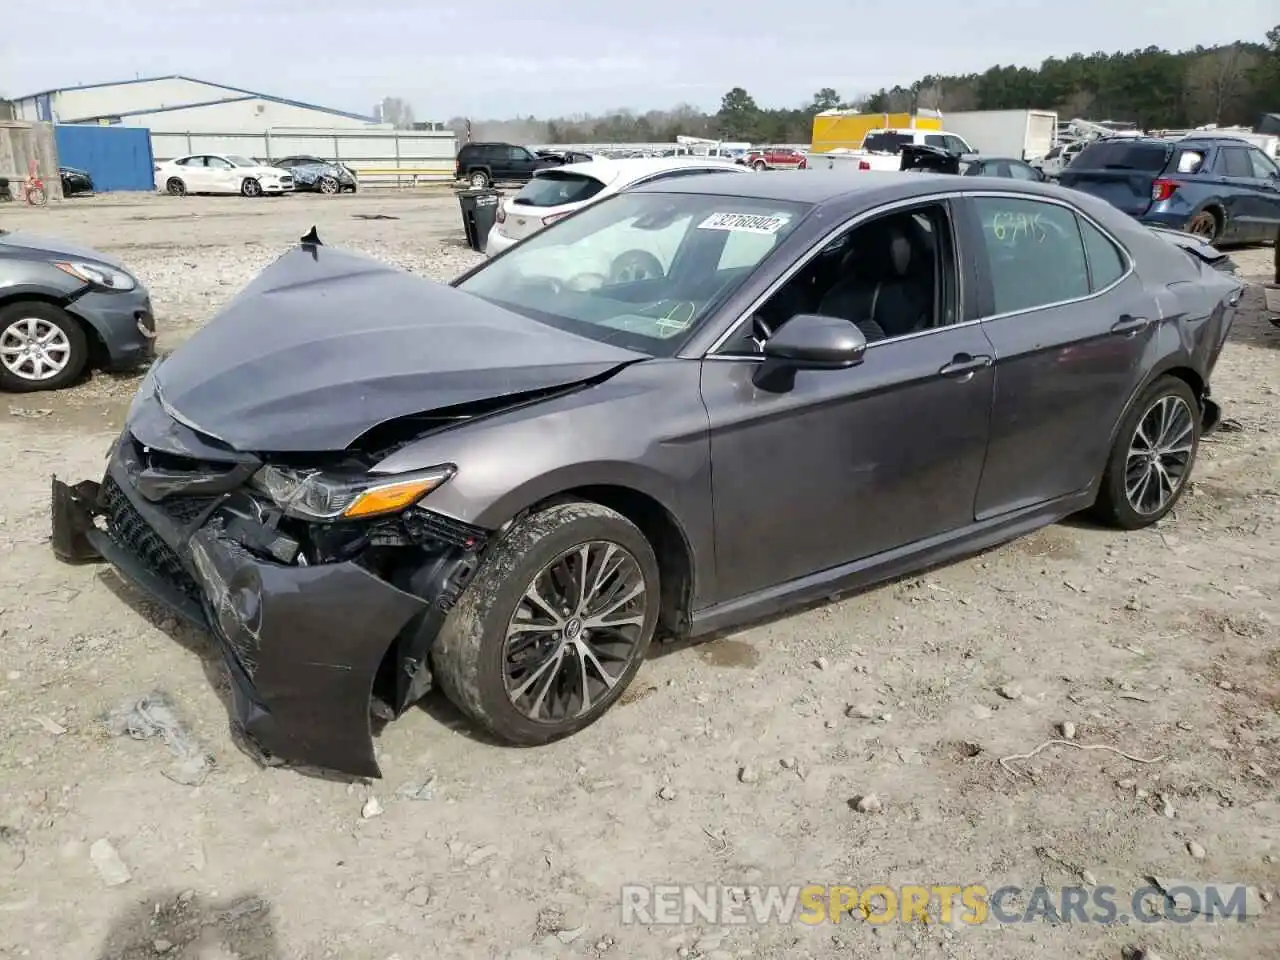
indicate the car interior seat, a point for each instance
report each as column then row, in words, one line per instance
column 886, row 280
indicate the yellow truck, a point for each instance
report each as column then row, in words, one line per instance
column 845, row 129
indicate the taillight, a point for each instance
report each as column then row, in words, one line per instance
column 864, row 165
column 1162, row 189
column 548, row 221
column 501, row 215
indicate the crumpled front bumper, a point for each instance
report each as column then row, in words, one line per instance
column 303, row 644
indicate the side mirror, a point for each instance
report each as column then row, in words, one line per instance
column 810, row 341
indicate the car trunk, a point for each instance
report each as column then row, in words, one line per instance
column 1120, row 171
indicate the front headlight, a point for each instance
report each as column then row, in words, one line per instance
column 98, row 274
column 315, row 495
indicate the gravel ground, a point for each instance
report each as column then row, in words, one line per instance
column 734, row 761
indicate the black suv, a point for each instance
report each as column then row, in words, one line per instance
column 483, row 164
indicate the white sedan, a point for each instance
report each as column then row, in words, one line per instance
column 556, row 192
column 221, row 173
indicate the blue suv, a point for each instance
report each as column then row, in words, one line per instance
column 1223, row 189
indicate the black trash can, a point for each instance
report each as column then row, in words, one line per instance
column 479, row 213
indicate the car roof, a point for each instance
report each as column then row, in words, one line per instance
column 627, row 169
column 828, row 186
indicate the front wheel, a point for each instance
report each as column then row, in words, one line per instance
column 329, row 185
column 251, row 188
column 760, row 165
column 1151, row 460
column 554, row 626
column 41, row 347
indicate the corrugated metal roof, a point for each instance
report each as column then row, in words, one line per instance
column 246, row 94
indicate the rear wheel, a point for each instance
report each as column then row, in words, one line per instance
column 175, row 187
column 479, row 179
column 1151, row 460
column 41, row 347
column 554, row 626
column 1204, row 224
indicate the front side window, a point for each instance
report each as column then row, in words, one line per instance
column 519, row 154
column 217, row 163
column 1235, row 162
column 891, row 276
column 1022, row 171
column 241, row 161
column 1034, row 253
column 1263, row 168
column 642, row 270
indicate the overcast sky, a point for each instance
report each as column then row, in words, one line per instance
column 556, row 57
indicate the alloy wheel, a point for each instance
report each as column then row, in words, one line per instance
column 34, row 349
column 328, row 185
column 575, row 632
column 1159, row 455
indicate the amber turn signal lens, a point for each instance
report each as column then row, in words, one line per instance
column 390, row 497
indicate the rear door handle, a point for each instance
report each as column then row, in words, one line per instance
column 963, row 366
column 1128, row 326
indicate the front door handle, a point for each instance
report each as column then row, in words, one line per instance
column 1128, row 326
column 963, row 366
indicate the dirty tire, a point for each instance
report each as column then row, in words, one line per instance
column 175, row 187
column 50, row 317
column 250, row 188
column 1113, row 505
column 467, row 657
column 1204, row 224
column 479, row 179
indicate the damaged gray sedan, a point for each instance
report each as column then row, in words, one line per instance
column 681, row 409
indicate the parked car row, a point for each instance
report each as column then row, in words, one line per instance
column 224, row 173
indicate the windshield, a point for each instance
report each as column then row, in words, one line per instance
column 886, row 142
column 557, row 187
column 641, row 270
column 240, row 161
column 1123, row 155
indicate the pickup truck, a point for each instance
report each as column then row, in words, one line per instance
column 882, row 149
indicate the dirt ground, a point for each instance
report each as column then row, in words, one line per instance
column 730, row 762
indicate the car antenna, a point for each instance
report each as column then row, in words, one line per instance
column 312, row 239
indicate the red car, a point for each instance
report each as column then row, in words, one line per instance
column 775, row 158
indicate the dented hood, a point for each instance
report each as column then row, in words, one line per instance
column 324, row 345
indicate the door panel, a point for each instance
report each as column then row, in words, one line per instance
column 846, row 463
column 1244, row 198
column 1067, row 360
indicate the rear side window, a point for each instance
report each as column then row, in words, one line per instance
column 1106, row 263
column 1123, row 155
column 557, row 188
column 1034, row 253
column 886, row 142
column 1263, row 168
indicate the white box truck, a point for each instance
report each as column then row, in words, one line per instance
column 1021, row 134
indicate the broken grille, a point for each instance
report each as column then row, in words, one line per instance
column 128, row 529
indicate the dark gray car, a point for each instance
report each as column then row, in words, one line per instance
column 64, row 308
column 365, row 483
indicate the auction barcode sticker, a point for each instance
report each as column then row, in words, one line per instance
column 744, row 222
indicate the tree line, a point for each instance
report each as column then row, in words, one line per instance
column 1154, row 88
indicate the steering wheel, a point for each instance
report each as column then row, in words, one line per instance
column 634, row 265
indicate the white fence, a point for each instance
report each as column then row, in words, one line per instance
column 383, row 157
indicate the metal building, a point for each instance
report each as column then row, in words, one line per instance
column 180, row 104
